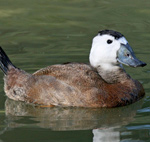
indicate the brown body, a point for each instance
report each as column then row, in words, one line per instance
column 103, row 83
column 71, row 84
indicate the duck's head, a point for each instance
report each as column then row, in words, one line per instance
column 110, row 49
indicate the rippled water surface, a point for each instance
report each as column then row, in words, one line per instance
column 38, row 33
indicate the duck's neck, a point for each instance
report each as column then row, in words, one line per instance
column 113, row 74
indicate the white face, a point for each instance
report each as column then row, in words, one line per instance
column 104, row 51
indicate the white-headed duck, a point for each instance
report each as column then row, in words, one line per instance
column 102, row 83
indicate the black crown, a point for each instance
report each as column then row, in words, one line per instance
column 115, row 34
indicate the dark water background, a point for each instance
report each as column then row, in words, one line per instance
column 38, row 33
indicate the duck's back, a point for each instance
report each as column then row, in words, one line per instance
column 79, row 75
column 92, row 90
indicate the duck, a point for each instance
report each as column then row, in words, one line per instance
column 103, row 82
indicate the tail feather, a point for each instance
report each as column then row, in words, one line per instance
column 4, row 61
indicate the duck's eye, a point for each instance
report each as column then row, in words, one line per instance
column 128, row 55
column 109, row 41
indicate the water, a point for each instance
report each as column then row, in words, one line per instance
column 39, row 33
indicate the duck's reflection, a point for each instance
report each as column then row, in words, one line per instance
column 101, row 121
column 106, row 135
column 58, row 118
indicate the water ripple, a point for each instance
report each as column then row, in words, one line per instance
column 144, row 110
column 138, row 127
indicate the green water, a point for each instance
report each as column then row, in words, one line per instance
column 38, row 33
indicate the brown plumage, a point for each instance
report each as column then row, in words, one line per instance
column 75, row 84
column 70, row 84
